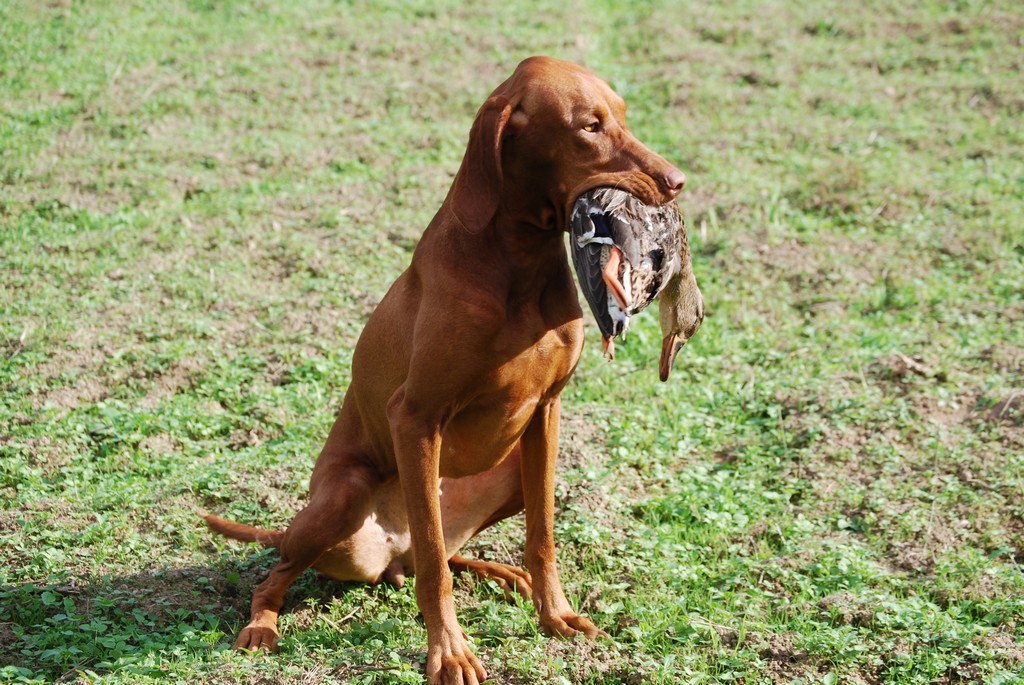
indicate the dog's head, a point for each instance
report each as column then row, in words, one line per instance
column 548, row 134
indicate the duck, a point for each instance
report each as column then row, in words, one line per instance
column 625, row 253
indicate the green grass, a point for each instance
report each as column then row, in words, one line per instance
column 201, row 202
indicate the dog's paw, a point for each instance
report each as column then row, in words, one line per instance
column 570, row 625
column 450, row 661
column 256, row 637
column 512, row 579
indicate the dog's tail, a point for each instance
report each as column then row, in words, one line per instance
column 242, row 532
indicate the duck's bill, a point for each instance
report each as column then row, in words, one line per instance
column 670, row 346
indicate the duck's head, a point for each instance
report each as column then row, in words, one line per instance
column 680, row 312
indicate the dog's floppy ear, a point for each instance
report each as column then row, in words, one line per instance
column 477, row 187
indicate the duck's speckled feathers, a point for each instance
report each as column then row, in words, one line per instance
column 649, row 240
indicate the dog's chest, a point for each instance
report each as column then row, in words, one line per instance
column 538, row 359
column 486, row 429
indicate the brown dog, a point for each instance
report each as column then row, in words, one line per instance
column 451, row 421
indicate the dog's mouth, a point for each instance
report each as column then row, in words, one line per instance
column 623, row 250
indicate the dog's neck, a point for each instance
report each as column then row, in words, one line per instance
column 526, row 262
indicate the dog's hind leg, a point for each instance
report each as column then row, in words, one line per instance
column 345, row 500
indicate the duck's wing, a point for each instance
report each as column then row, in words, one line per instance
column 589, row 256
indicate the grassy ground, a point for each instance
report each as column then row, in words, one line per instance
column 201, row 202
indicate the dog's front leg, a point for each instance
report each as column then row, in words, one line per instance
column 540, row 451
column 416, row 437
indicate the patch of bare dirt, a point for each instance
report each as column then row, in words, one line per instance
column 7, row 638
column 847, row 609
column 911, row 557
column 965, row 672
column 170, row 382
column 1006, row 645
column 162, row 443
column 584, row 661
column 588, row 657
column 784, row 661
column 86, row 390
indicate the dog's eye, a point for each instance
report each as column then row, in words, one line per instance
column 592, row 127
